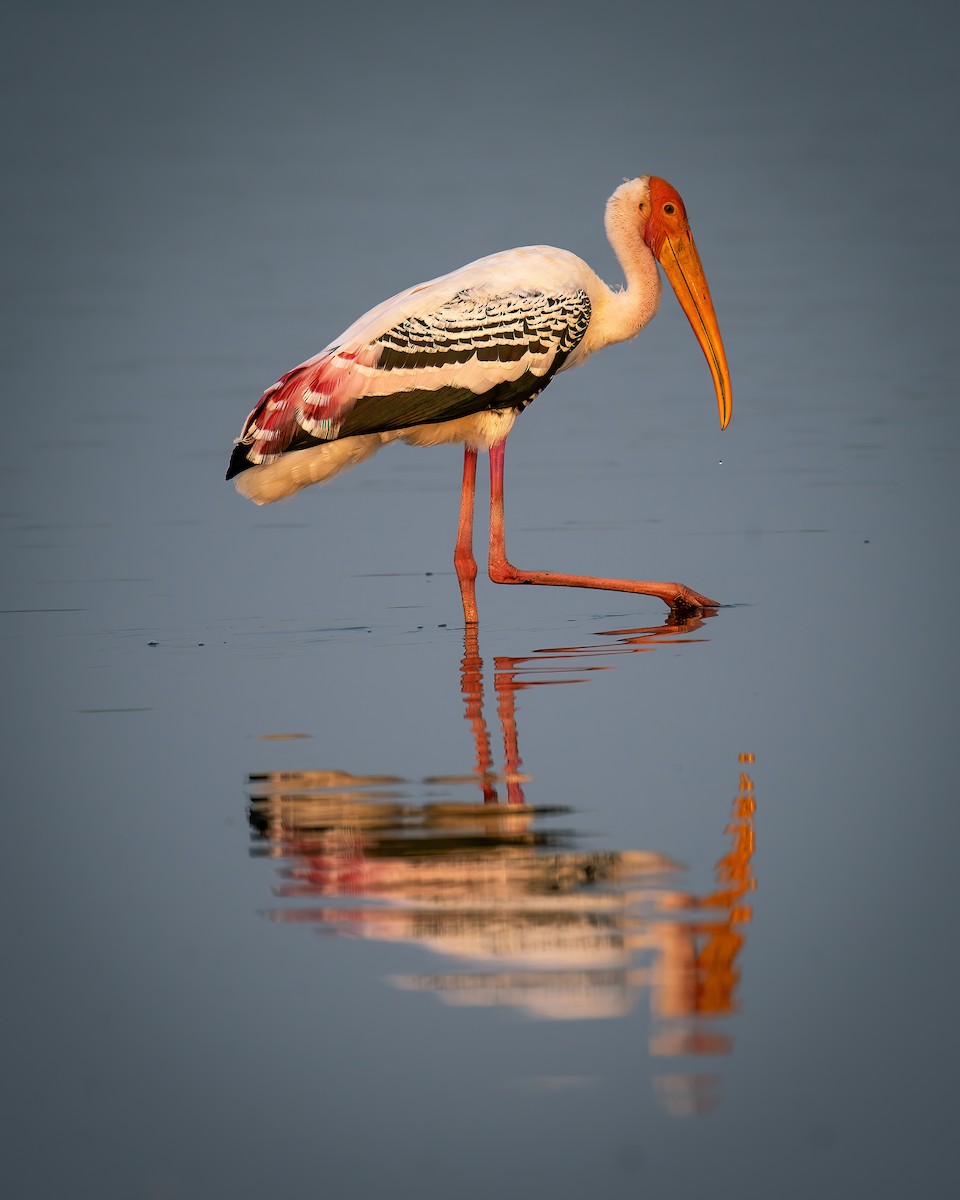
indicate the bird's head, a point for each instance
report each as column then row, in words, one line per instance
column 663, row 222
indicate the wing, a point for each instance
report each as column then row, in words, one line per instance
column 459, row 351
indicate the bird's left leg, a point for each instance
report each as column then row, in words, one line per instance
column 463, row 560
column 678, row 597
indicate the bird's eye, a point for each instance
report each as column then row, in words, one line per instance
column 668, row 208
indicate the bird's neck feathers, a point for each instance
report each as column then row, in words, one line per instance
column 629, row 310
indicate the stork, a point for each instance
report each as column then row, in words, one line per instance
column 456, row 359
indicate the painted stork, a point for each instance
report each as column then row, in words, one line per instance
column 458, row 358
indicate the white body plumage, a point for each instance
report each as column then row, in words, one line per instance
column 451, row 360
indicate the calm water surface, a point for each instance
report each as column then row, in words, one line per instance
column 307, row 889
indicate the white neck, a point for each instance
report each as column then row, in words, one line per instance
column 626, row 312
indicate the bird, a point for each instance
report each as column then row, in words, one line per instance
column 458, row 358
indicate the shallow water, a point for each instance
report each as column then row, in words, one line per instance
column 307, row 888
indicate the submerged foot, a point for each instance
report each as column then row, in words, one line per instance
column 686, row 600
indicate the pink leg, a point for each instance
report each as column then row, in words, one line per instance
column 463, row 560
column 675, row 595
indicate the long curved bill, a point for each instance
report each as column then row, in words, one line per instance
column 681, row 263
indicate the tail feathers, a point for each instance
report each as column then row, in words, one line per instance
column 266, row 482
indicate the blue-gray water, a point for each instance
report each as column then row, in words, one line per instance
column 714, row 953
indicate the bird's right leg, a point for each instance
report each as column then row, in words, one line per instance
column 463, row 560
column 681, row 599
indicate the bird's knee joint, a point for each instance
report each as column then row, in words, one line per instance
column 466, row 566
column 500, row 571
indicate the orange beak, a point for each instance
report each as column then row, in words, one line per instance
column 668, row 236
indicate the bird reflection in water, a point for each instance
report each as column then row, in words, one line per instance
column 534, row 921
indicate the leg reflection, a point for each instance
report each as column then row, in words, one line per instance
column 471, row 685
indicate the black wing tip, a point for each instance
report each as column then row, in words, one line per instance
column 238, row 461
